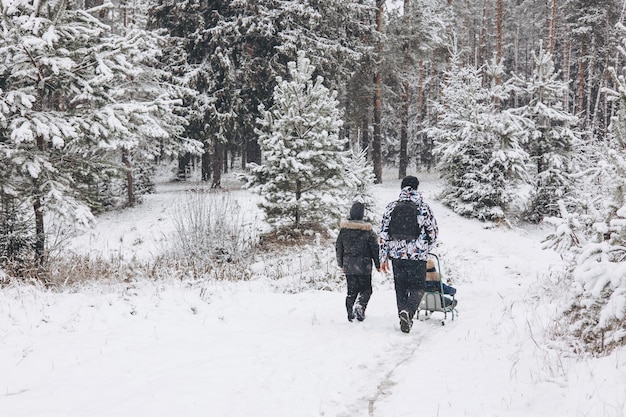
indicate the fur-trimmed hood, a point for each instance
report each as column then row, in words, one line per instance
column 355, row 225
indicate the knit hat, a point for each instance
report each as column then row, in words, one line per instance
column 410, row 181
column 357, row 211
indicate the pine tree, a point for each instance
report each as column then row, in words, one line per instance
column 66, row 102
column 302, row 180
column 591, row 235
column 553, row 140
column 481, row 158
column 161, row 132
column 359, row 178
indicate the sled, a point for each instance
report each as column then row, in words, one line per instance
column 435, row 300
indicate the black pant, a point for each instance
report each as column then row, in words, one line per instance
column 359, row 291
column 409, row 278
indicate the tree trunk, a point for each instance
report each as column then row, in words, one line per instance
column 124, row 15
column 298, row 196
column 218, row 162
column 40, row 236
column 404, row 131
column 253, row 151
column 566, row 75
column 499, row 40
column 225, row 159
column 499, row 35
column 244, row 153
column 483, row 40
column 552, row 28
column 516, row 56
column 404, row 118
column 183, row 165
column 40, row 231
column 470, row 35
column 599, row 116
column 130, row 183
column 420, row 105
column 377, row 140
column 581, row 80
column 365, row 134
column 431, row 115
column 588, row 91
column 205, row 166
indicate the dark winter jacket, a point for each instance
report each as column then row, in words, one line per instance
column 357, row 247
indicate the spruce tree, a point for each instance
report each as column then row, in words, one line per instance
column 553, row 140
column 479, row 146
column 302, row 180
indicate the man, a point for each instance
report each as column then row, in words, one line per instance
column 408, row 232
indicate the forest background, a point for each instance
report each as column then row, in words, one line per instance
column 518, row 104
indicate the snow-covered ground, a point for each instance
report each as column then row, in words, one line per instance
column 242, row 349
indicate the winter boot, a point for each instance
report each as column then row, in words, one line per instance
column 405, row 322
column 359, row 312
column 350, row 315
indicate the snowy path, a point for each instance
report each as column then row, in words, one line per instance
column 476, row 365
column 244, row 354
column 157, row 349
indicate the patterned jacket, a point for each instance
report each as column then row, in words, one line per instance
column 357, row 248
column 415, row 249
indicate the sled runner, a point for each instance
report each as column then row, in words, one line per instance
column 438, row 296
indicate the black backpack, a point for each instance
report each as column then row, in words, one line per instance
column 403, row 224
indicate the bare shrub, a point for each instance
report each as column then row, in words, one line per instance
column 212, row 226
column 298, row 260
column 71, row 271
